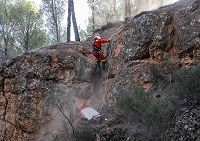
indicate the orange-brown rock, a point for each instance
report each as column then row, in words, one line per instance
column 26, row 79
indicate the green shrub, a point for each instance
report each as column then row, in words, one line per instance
column 187, row 85
column 153, row 113
column 155, row 72
column 140, row 102
column 134, row 101
column 84, row 134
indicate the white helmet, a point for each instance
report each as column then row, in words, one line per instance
column 97, row 36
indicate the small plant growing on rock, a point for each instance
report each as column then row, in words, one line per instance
column 155, row 73
column 84, row 134
column 63, row 103
column 134, row 101
column 151, row 111
column 187, row 85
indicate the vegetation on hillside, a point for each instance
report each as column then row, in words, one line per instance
column 156, row 113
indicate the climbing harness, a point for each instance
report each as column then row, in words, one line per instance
column 95, row 48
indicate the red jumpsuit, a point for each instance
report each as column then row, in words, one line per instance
column 97, row 47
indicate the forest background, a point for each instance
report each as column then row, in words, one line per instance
column 30, row 24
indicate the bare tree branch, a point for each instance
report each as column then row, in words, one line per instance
column 60, row 108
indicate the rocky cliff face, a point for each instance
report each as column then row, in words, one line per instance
column 167, row 30
column 26, row 79
column 167, row 38
column 156, row 37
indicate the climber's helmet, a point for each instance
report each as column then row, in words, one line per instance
column 97, row 36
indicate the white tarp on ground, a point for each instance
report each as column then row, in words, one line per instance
column 89, row 113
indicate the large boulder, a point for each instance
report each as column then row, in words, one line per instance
column 171, row 29
column 26, row 82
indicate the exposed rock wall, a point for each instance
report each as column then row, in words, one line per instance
column 155, row 37
column 167, row 38
column 172, row 29
column 185, row 125
column 25, row 81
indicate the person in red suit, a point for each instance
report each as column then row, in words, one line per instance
column 97, row 50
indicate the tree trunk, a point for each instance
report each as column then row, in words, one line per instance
column 127, row 9
column 5, row 33
column 114, row 9
column 27, row 41
column 55, row 20
column 93, row 20
column 6, row 47
column 140, row 6
column 77, row 38
column 161, row 3
column 69, row 20
column 71, row 13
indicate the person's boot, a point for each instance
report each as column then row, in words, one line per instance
column 98, row 63
column 104, row 65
